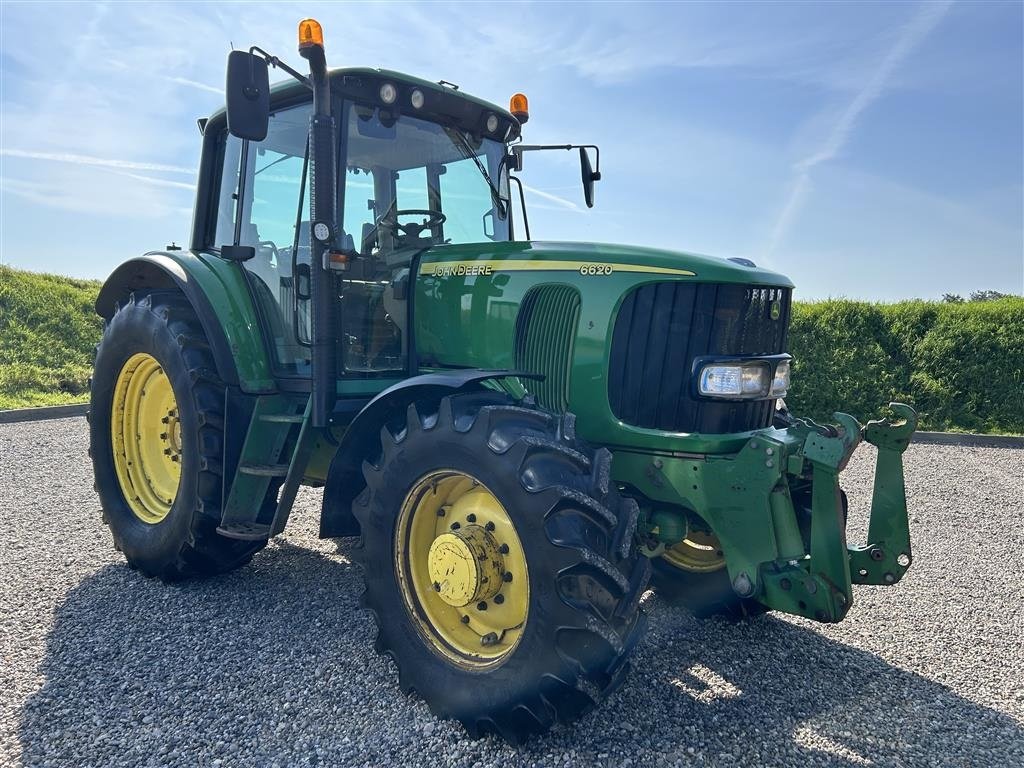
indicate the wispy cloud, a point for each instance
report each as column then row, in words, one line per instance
column 157, row 182
column 913, row 34
column 568, row 205
column 68, row 157
column 195, row 84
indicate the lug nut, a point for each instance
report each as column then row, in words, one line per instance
column 499, row 599
column 471, row 518
column 491, row 638
column 437, row 587
column 481, row 606
column 464, row 619
column 506, row 576
column 503, row 549
column 489, row 526
column 455, row 526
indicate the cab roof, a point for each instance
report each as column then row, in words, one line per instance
column 363, row 83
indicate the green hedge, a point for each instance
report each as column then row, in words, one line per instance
column 48, row 329
column 960, row 365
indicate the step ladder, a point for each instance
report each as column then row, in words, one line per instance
column 278, row 444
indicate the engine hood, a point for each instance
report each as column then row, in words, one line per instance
column 598, row 258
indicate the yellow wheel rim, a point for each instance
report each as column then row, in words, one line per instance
column 699, row 551
column 461, row 569
column 146, row 436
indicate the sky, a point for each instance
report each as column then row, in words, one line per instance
column 867, row 150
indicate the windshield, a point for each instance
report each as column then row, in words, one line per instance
column 449, row 178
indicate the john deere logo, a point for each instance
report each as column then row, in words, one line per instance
column 776, row 310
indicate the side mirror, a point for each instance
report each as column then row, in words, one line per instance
column 248, row 96
column 589, row 176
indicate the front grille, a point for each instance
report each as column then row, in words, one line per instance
column 545, row 330
column 659, row 331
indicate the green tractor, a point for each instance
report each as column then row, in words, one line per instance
column 524, row 435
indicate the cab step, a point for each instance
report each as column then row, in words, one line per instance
column 282, row 418
column 264, row 470
column 245, row 531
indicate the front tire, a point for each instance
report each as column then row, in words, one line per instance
column 692, row 574
column 499, row 564
column 156, row 423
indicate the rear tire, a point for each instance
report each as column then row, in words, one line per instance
column 180, row 539
column 575, row 532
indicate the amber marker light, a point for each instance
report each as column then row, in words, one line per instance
column 519, row 107
column 310, row 34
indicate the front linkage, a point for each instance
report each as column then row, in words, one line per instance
column 780, row 517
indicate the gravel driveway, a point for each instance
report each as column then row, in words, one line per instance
column 274, row 664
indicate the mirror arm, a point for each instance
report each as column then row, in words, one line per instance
column 522, row 204
column 518, row 150
column 277, row 63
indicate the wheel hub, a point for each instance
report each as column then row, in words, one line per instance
column 462, row 569
column 465, row 566
column 146, row 437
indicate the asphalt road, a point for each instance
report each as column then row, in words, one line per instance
column 274, row 664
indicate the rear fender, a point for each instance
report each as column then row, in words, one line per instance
column 219, row 294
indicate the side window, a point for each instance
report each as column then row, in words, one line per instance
column 227, row 204
column 274, row 219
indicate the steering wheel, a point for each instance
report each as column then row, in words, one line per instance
column 412, row 229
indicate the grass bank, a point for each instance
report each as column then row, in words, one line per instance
column 48, row 329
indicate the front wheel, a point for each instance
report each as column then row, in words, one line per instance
column 499, row 564
column 692, row 574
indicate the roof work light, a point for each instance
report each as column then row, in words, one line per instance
column 519, row 107
column 310, row 34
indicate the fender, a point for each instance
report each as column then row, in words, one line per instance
column 362, row 438
column 219, row 294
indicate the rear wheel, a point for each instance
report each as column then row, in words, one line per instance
column 499, row 564
column 156, row 440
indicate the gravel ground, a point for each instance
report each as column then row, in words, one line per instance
column 274, row 664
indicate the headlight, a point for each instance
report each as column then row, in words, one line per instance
column 780, row 382
column 734, row 380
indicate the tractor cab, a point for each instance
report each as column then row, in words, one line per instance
column 406, row 182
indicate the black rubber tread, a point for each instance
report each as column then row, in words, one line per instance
column 186, row 542
column 586, row 577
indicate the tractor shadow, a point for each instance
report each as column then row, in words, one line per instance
column 274, row 664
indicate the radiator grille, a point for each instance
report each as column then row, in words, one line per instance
column 662, row 327
column 545, row 330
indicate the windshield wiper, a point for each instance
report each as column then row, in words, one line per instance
column 456, row 137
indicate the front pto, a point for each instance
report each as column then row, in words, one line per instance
column 778, row 514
